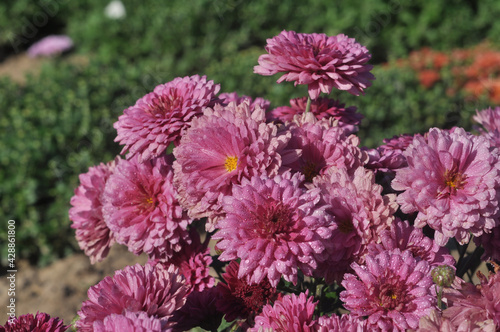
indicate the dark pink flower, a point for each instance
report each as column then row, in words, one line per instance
column 321, row 108
column 290, row 314
column 40, row 322
column 227, row 98
column 50, row 46
column 275, row 227
column 344, row 323
column 160, row 117
column 393, row 289
column 320, row 61
column 199, row 310
column 405, row 237
column 322, row 147
column 222, row 147
column 476, row 308
column 154, row 289
column 452, row 180
column 490, row 243
column 140, row 207
column 128, row 321
column 239, row 299
column 93, row 235
column 361, row 214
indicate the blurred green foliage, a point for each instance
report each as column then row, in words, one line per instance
column 59, row 123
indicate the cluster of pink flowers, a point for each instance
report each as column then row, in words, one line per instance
column 256, row 218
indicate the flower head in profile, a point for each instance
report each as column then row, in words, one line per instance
column 321, row 108
column 292, row 313
column 154, row 289
column 93, row 235
column 226, row 98
column 140, row 207
column 275, row 227
column 160, row 117
column 393, row 289
column 489, row 119
column 452, row 181
column 222, row 147
column 128, row 321
column 344, row 323
column 319, row 61
column 238, row 298
column 50, row 46
column 40, row 322
column 361, row 213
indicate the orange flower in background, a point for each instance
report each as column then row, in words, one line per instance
column 428, row 77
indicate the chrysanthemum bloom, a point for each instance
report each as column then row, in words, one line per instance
column 40, row 322
column 238, row 298
column 275, row 227
column 488, row 118
column 221, row 148
column 140, row 207
column 93, row 235
column 193, row 261
column 160, row 117
column 452, row 180
column 322, row 147
column 477, row 307
column 344, row 323
column 227, row 98
column 321, row 108
column 361, row 213
column 393, row 289
column 50, row 46
column 491, row 244
column 435, row 322
column 389, row 156
column 320, row 61
column 405, row 237
column 128, row 321
column 154, row 289
column 199, row 310
column 290, row 314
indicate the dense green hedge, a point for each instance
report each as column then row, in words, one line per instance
column 58, row 124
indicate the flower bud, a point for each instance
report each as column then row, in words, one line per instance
column 443, row 275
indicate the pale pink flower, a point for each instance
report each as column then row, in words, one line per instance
column 160, row 117
column 222, row 147
column 140, row 207
column 40, row 322
column 292, row 313
column 275, row 227
column 154, row 289
column 93, row 235
column 393, row 289
column 452, row 181
column 435, row 322
column 488, row 118
column 128, row 321
column 226, row 98
column 344, row 323
column 319, row 61
column 50, row 46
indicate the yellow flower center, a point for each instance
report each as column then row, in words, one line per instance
column 454, row 180
column 149, row 200
column 231, row 163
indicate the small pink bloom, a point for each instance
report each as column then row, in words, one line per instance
column 50, row 46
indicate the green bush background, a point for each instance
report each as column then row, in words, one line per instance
column 59, row 123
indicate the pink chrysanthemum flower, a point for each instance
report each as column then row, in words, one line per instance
column 475, row 307
column 275, row 227
column 393, row 289
column 140, row 207
column 320, row 61
column 361, row 213
column 154, row 289
column 160, row 117
column 344, row 323
column 290, row 314
column 93, row 235
column 452, row 180
column 435, row 322
column 199, row 310
column 238, row 298
column 40, row 322
column 405, row 237
column 50, row 46
column 226, row 98
column 322, row 147
column 321, row 108
column 128, row 321
column 193, row 261
column 221, row 148
column 491, row 244
column 488, row 118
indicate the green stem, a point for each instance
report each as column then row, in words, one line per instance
column 308, row 105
